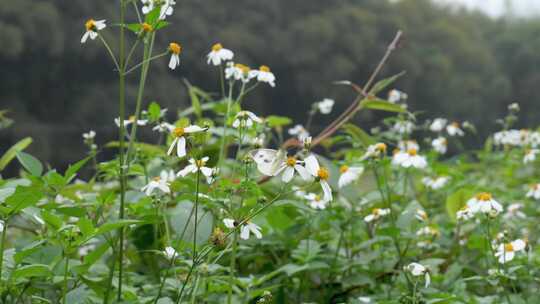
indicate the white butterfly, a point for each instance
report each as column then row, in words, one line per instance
column 269, row 162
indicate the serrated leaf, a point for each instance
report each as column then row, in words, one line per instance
column 30, row 163
column 359, row 134
column 22, row 198
column 382, row 105
column 382, row 84
column 35, row 270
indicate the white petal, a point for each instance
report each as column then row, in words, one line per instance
column 312, row 165
column 229, row 223
column 181, row 147
column 303, row 172
column 187, row 170
column 244, row 232
column 206, row 171
column 288, row 174
column 327, row 191
column 85, row 37
column 171, row 147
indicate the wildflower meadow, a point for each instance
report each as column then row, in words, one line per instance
column 230, row 206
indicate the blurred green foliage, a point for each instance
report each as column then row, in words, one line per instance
column 458, row 63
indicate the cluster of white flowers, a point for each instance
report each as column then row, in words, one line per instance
column 376, row 214
column 484, row 203
column 299, row 131
column 534, row 191
column 395, row 96
column 417, row 270
column 403, row 127
column 325, row 106
column 517, row 138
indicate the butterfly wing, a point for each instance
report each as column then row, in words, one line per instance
column 269, row 162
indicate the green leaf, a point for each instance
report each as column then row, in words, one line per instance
column 359, row 134
column 278, row 121
column 382, row 105
column 23, row 197
column 30, row 163
column 86, row 226
column 161, row 24
column 12, row 152
column 28, row 250
column 35, row 270
column 150, row 150
column 154, row 111
column 52, row 220
column 73, row 169
column 455, row 201
column 382, row 84
column 134, row 27
column 108, row 227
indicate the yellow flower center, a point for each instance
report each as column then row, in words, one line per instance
column 317, row 198
column 216, row 47
column 242, row 67
column 508, row 247
column 344, row 169
column 157, row 178
column 291, row 161
column 147, row 28
column 484, row 196
column 175, row 48
column 132, row 118
column 200, row 163
column 381, row 147
column 264, row 68
column 455, row 124
column 412, row 152
column 90, row 25
column 376, row 211
column 179, row 132
column 323, row 173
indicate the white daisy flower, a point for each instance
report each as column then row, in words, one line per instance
column 299, row 131
column 514, row 211
column 161, row 182
column 164, row 127
column 196, row 165
column 237, row 71
column 419, row 270
column 440, row 145
column 180, row 140
column 464, row 213
column 175, row 49
column 325, row 106
column 246, row 119
column 170, row 253
column 513, row 107
column 403, row 127
column 165, row 5
column 405, row 145
column 321, row 174
column 534, row 191
column 454, row 129
column 395, row 96
column 315, row 201
column 376, row 214
column 92, row 27
column 374, row 151
column 530, row 155
column 484, row 203
column 506, row 252
column 349, row 175
column 435, row 183
column 289, row 167
column 131, row 120
column 421, row 215
column 438, row 124
column 409, row 159
column 245, row 230
column 219, row 54
column 429, row 231
column 263, row 74
column 90, row 135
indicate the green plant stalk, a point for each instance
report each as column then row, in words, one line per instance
column 122, row 106
column 232, row 268
column 196, row 215
column 144, row 73
column 222, row 153
column 66, row 269
column 2, row 246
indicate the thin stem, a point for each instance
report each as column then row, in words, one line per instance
column 122, row 106
column 131, row 52
column 232, row 268
column 222, row 152
column 2, row 246
column 144, row 62
column 110, row 52
column 196, row 215
column 66, row 269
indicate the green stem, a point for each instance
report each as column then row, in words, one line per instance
column 222, row 152
column 66, row 268
column 122, row 106
column 232, row 268
column 2, row 246
column 146, row 61
column 110, row 52
column 196, row 216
